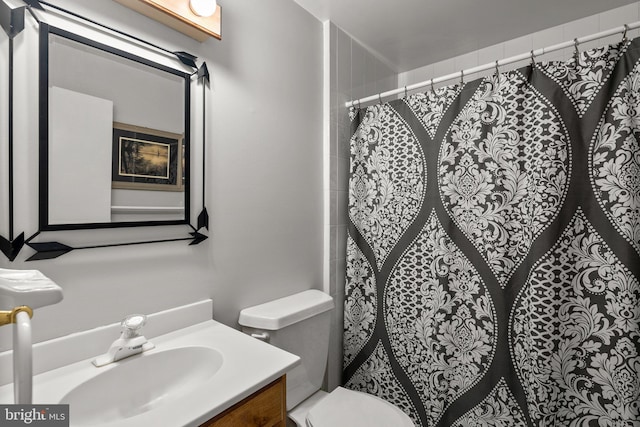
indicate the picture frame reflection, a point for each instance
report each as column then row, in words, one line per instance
column 146, row 159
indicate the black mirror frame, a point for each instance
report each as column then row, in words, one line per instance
column 12, row 22
column 45, row 31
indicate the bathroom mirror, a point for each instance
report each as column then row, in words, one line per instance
column 114, row 136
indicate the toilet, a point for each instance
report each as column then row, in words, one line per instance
column 300, row 324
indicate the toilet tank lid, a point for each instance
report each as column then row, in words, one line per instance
column 286, row 311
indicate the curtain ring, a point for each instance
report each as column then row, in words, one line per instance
column 533, row 59
column 461, row 77
column 379, row 98
column 624, row 34
column 432, row 88
column 497, row 69
column 577, row 51
column 406, row 95
column 359, row 107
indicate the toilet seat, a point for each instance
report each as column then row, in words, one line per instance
column 350, row 408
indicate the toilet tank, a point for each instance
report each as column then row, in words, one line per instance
column 299, row 324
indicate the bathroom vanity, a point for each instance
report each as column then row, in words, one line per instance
column 266, row 407
column 200, row 373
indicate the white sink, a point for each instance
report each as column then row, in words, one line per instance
column 192, row 374
column 141, row 383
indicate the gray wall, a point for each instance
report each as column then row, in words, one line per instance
column 264, row 178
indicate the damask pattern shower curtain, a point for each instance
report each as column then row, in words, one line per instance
column 493, row 251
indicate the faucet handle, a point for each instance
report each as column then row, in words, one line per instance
column 132, row 324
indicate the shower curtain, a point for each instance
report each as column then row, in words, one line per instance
column 493, row 251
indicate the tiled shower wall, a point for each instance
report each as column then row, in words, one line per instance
column 351, row 72
column 545, row 38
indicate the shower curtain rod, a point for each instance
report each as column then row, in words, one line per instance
column 501, row 62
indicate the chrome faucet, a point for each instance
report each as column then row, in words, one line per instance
column 129, row 343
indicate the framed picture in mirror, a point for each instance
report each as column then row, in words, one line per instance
column 146, row 159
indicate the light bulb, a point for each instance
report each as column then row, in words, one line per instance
column 204, row 8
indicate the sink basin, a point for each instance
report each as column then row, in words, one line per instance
column 196, row 371
column 141, row 383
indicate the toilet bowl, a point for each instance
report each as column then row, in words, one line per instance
column 343, row 407
column 300, row 324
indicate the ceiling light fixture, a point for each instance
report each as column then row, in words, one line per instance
column 204, row 8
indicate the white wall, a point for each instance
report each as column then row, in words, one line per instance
column 264, row 178
column 561, row 33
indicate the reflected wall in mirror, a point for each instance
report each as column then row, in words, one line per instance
column 114, row 136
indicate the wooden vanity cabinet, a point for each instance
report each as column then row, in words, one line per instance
column 264, row 408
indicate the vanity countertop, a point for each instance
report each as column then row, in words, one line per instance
column 247, row 365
